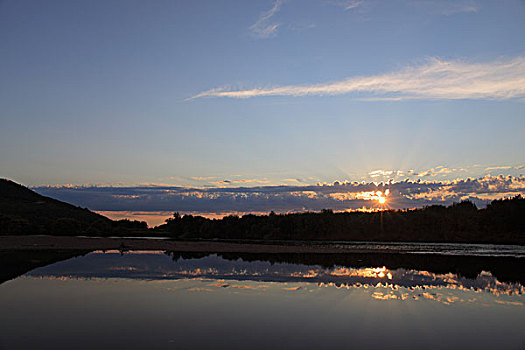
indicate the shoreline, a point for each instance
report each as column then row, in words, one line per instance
column 30, row 242
column 43, row 242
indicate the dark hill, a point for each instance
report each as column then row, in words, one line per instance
column 23, row 211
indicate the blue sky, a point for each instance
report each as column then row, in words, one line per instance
column 260, row 93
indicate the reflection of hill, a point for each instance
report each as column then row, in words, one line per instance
column 15, row 263
column 507, row 269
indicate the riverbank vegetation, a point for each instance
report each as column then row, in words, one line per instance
column 502, row 221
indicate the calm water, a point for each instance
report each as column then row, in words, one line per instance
column 156, row 299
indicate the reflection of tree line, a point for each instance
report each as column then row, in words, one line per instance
column 501, row 222
column 15, row 263
column 505, row 269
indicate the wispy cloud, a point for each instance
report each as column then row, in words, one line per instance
column 436, row 171
column 461, row 8
column 435, row 79
column 240, row 181
column 348, row 4
column 202, row 178
column 293, row 180
column 377, row 173
column 498, row 168
column 449, row 7
column 352, row 4
column 264, row 28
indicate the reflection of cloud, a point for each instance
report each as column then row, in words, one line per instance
column 435, row 79
column 239, row 286
column 236, row 274
column 384, row 296
column 507, row 302
column 292, row 288
column 199, row 289
column 286, row 198
column 263, row 28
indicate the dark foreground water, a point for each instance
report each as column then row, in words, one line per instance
column 156, row 299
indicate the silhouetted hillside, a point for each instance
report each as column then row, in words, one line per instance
column 23, row 211
column 503, row 221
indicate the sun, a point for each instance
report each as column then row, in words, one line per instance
column 381, row 200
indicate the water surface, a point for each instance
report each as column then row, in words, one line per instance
column 157, row 299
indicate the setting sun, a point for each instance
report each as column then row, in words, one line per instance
column 382, row 200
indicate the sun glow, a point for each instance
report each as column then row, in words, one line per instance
column 379, row 196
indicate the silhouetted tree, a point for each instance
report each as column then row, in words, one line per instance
column 501, row 222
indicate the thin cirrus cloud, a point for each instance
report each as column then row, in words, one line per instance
column 442, row 7
column 348, row 4
column 435, row 79
column 352, row 5
column 264, row 28
column 498, row 168
column 455, row 6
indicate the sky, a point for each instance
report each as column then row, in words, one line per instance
column 229, row 94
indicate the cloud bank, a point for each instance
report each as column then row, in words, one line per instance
column 338, row 196
column 434, row 79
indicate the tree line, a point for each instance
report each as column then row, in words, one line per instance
column 502, row 221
